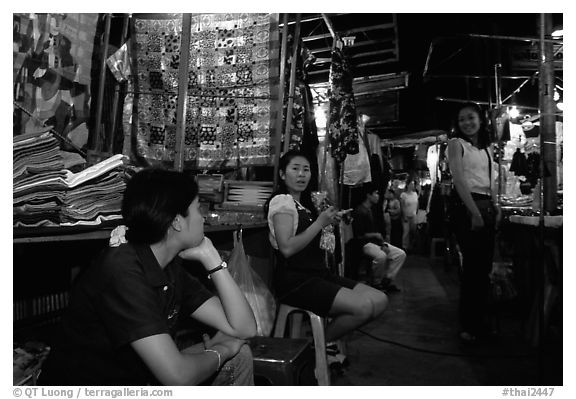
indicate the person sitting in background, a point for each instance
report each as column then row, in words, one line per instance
column 386, row 259
column 409, row 204
column 392, row 218
column 124, row 309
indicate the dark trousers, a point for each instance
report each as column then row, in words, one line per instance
column 478, row 252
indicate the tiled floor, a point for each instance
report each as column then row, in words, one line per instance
column 415, row 342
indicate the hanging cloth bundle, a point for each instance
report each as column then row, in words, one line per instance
column 342, row 126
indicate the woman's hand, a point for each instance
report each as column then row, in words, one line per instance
column 205, row 253
column 477, row 221
column 232, row 345
column 328, row 216
column 498, row 218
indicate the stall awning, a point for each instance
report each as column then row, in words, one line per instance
column 424, row 137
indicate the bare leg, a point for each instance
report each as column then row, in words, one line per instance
column 354, row 308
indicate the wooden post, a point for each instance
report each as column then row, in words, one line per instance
column 499, row 144
column 100, row 101
column 116, row 98
column 182, row 92
column 279, row 119
column 295, row 47
column 547, row 116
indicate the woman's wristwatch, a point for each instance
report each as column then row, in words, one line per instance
column 221, row 266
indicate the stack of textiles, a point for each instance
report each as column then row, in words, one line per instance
column 38, row 180
column 47, row 195
column 95, row 194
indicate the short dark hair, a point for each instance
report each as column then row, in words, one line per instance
column 152, row 199
column 369, row 188
column 484, row 136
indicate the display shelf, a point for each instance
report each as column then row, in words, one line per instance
column 25, row 236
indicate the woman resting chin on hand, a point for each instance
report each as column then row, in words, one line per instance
column 124, row 309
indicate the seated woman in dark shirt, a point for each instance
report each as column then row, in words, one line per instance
column 119, row 328
column 302, row 278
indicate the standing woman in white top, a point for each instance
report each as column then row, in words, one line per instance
column 470, row 162
column 409, row 204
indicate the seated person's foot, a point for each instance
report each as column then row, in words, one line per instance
column 392, row 288
column 334, row 355
column 468, row 338
column 388, row 286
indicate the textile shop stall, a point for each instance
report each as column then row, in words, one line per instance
column 199, row 93
column 530, row 238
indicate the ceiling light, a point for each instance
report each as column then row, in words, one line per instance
column 558, row 33
column 560, row 106
column 513, row 112
column 320, row 117
column 348, row 40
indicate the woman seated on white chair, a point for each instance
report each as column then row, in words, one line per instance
column 302, row 280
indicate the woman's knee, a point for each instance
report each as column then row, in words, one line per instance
column 380, row 301
column 368, row 306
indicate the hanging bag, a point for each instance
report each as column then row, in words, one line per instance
column 253, row 287
column 357, row 166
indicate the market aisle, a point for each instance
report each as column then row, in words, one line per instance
column 423, row 317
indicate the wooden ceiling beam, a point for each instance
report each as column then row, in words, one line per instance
column 349, row 31
column 356, row 44
column 375, row 63
column 377, row 52
column 316, row 37
column 373, row 27
column 330, row 27
column 308, row 19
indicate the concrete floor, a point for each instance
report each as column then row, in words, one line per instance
column 415, row 342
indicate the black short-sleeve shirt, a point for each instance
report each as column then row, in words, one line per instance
column 362, row 223
column 124, row 296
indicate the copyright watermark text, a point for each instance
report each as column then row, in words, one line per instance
column 83, row 392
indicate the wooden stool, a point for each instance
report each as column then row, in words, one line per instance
column 317, row 323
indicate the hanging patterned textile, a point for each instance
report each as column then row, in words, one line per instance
column 232, row 89
column 342, row 125
column 303, row 131
column 52, row 66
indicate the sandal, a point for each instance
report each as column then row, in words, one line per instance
column 467, row 338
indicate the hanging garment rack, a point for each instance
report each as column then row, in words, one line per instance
column 293, row 67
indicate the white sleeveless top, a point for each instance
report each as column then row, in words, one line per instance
column 476, row 166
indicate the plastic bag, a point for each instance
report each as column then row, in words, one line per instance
column 255, row 290
column 357, row 167
column 328, row 238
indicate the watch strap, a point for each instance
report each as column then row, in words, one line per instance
column 221, row 266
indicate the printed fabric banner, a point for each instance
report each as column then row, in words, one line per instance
column 232, row 94
column 52, row 66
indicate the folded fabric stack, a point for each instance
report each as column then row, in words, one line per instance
column 46, row 194
column 95, row 193
column 38, row 180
